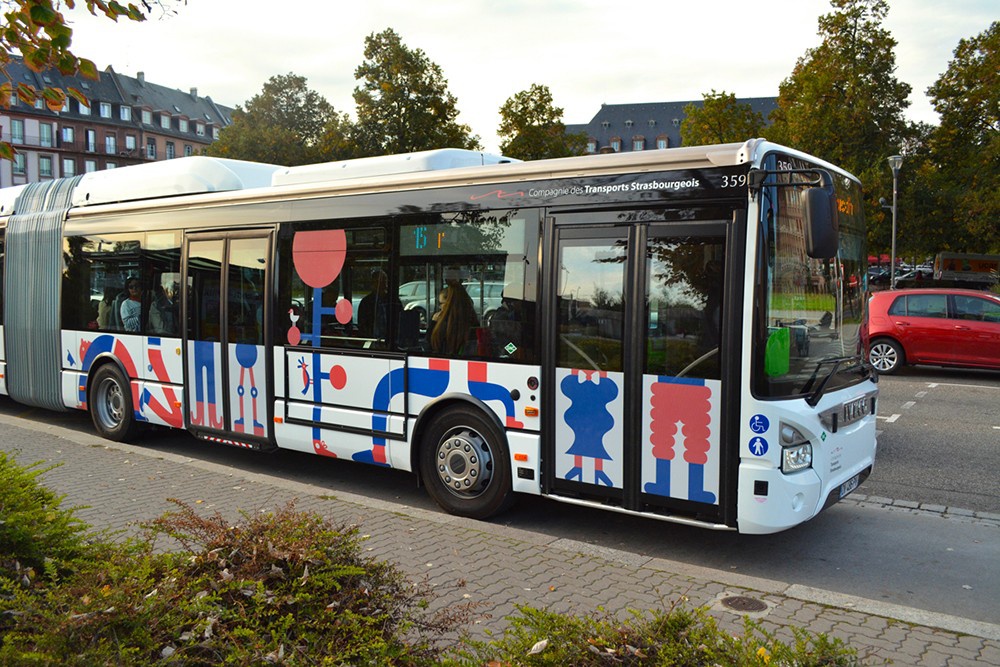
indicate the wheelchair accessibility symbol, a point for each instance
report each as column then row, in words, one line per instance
column 758, row 446
column 759, row 424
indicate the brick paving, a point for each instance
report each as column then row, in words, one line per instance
column 493, row 566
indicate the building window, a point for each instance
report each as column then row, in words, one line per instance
column 147, row 117
column 605, row 124
column 45, row 135
column 638, row 143
column 592, row 145
column 105, row 110
column 125, row 113
column 39, row 104
column 171, row 153
column 652, row 122
column 183, row 124
column 628, row 123
column 188, row 150
column 616, row 144
column 68, row 167
column 215, row 134
column 151, row 149
column 662, row 142
column 130, row 142
column 165, row 121
column 84, row 108
column 111, row 165
column 65, row 106
column 68, row 135
column 45, row 166
column 91, row 141
column 110, row 144
column 199, row 129
column 19, row 164
column 90, row 166
column 16, row 130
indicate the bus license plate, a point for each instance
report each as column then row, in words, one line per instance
column 849, row 485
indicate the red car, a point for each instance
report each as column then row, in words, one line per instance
column 941, row 327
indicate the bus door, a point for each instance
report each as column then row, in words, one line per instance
column 226, row 381
column 636, row 383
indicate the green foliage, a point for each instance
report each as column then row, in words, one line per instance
column 964, row 151
column 531, row 127
column 35, row 531
column 720, row 119
column 843, row 102
column 38, row 31
column 675, row 637
column 286, row 123
column 284, row 587
column 403, row 103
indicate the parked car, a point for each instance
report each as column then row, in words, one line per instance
column 909, row 278
column 941, row 327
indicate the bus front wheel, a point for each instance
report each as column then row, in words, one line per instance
column 111, row 404
column 465, row 464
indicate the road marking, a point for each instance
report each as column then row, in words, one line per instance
column 933, row 385
column 920, row 394
column 908, row 405
column 890, row 418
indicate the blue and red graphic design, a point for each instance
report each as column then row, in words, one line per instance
column 686, row 401
column 590, row 420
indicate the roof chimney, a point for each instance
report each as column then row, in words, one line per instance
column 194, row 93
column 142, row 78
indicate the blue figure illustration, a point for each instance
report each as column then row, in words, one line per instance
column 204, row 386
column 246, row 356
column 590, row 420
column 485, row 390
column 430, row 382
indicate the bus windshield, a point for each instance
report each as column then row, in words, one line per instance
column 812, row 308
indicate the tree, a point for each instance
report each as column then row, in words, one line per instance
column 843, row 102
column 531, row 127
column 38, row 31
column 403, row 103
column 719, row 119
column 286, row 123
column 965, row 148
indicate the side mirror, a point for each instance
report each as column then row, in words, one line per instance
column 822, row 229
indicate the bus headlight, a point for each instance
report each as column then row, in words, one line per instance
column 796, row 450
column 797, row 457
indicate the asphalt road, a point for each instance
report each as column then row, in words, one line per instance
column 938, row 445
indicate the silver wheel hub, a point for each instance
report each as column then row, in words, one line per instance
column 110, row 403
column 464, row 463
column 882, row 357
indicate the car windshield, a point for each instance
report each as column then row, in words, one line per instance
column 809, row 339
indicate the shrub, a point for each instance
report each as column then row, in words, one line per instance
column 675, row 637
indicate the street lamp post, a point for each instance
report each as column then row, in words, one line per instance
column 895, row 162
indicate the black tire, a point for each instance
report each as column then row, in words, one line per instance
column 110, row 404
column 886, row 356
column 465, row 464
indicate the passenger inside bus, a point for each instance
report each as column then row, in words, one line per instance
column 455, row 323
column 376, row 308
column 131, row 307
column 163, row 312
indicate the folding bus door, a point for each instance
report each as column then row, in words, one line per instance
column 226, row 384
column 637, row 374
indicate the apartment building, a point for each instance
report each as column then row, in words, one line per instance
column 128, row 121
column 647, row 126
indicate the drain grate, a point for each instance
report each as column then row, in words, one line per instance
column 743, row 603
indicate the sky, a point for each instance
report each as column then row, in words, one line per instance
column 587, row 52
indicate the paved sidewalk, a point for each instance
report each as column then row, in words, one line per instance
column 501, row 567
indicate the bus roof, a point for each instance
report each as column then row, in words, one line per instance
column 386, row 165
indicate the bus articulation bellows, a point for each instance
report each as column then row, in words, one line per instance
column 673, row 334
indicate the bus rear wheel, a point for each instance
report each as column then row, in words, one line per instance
column 111, row 404
column 465, row 464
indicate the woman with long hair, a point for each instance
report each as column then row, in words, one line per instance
column 456, row 321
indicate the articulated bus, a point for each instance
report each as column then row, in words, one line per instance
column 672, row 334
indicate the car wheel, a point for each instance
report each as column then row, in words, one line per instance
column 886, row 356
column 465, row 465
column 111, row 404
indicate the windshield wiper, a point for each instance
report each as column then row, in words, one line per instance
column 815, row 397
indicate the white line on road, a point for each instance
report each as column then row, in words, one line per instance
column 890, row 418
column 908, row 405
column 920, row 394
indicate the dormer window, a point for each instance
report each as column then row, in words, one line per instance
column 165, row 121
column 628, row 123
column 605, row 124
